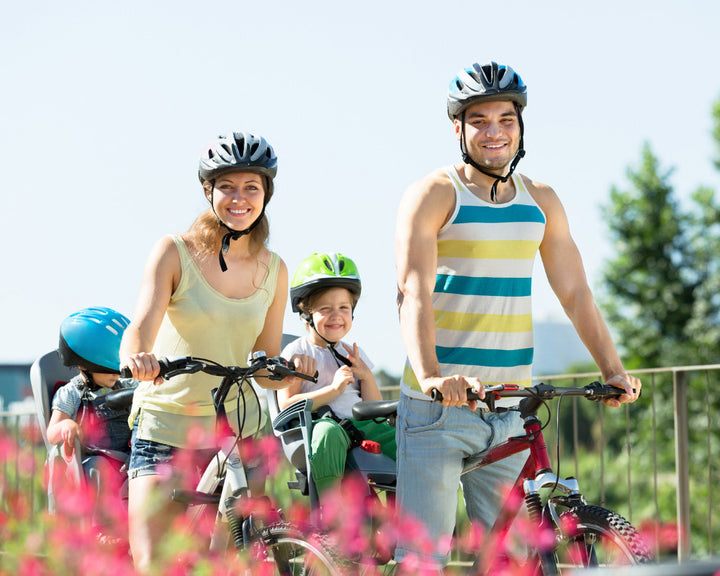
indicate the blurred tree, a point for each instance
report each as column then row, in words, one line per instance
column 661, row 289
column 662, row 300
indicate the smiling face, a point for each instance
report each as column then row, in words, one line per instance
column 492, row 134
column 332, row 315
column 238, row 198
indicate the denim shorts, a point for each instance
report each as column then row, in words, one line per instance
column 149, row 458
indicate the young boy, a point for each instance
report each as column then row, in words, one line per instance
column 324, row 291
column 90, row 340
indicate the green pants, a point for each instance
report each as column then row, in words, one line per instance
column 330, row 445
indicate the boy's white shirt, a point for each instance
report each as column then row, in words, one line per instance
column 327, row 365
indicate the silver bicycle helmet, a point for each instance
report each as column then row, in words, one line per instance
column 485, row 83
column 237, row 151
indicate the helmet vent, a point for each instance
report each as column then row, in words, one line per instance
column 328, row 264
column 111, row 329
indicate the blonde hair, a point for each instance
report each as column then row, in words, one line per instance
column 209, row 231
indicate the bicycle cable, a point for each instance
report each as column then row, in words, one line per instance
column 557, row 441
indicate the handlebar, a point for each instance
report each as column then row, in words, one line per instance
column 595, row 391
column 277, row 369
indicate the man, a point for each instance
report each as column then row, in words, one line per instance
column 466, row 239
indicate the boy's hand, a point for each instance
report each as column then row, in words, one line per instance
column 343, row 377
column 69, row 431
column 359, row 368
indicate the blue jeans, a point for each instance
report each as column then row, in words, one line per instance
column 434, row 442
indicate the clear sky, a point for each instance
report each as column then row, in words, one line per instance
column 105, row 107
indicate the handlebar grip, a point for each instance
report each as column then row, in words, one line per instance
column 437, row 396
column 280, row 368
column 167, row 365
column 599, row 392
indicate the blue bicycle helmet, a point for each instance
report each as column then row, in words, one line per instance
column 91, row 338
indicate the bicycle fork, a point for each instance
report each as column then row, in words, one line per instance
column 228, row 523
column 563, row 492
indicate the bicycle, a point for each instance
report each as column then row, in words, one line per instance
column 281, row 546
column 582, row 535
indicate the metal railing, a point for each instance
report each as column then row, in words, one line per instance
column 677, row 405
column 694, row 429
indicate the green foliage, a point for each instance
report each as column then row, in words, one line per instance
column 716, row 131
column 649, row 284
column 662, row 292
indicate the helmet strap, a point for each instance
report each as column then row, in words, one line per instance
column 88, row 382
column 518, row 155
column 231, row 234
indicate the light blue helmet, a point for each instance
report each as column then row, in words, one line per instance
column 91, row 338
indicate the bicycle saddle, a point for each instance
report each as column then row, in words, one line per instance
column 372, row 409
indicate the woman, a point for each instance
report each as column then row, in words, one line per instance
column 216, row 292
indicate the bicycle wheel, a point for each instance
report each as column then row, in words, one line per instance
column 285, row 550
column 595, row 536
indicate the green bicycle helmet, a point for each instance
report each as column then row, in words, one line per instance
column 322, row 270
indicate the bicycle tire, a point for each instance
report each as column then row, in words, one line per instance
column 592, row 536
column 293, row 552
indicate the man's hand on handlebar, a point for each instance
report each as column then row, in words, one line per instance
column 454, row 389
column 630, row 384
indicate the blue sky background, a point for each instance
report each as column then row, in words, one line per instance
column 105, row 107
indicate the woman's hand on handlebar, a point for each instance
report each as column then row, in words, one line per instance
column 625, row 381
column 303, row 363
column 144, row 367
column 454, row 389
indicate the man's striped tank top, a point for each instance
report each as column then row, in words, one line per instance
column 482, row 296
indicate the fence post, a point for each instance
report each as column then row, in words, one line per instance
column 682, row 464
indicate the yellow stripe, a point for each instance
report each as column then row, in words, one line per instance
column 495, row 249
column 469, row 322
column 410, row 379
